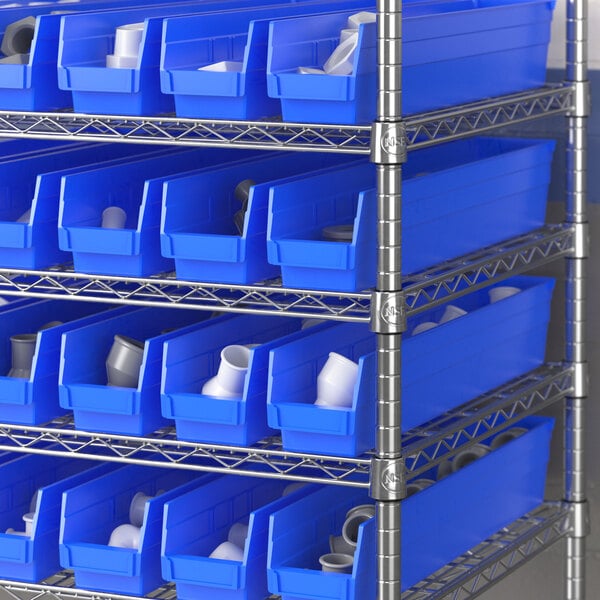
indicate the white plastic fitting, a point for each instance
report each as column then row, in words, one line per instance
column 125, row 536
column 224, row 66
column 341, row 60
column 336, row 382
column 507, row 436
column 361, row 17
column 452, row 312
column 309, row 71
column 113, row 217
column 15, row 59
column 231, row 376
column 11, row 531
column 227, row 551
column 127, row 46
column 501, row 292
column 466, row 457
column 237, row 535
column 425, row 326
column 338, row 545
column 417, row 486
column 29, row 518
column 137, row 508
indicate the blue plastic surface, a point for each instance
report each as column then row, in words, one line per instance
column 452, row 53
column 34, row 401
column 465, row 357
column 33, row 244
column 82, row 381
column 197, row 522
column 91, row 511
column 86, row 40
column 36, row 557
column 136, row 187
column 438, row 523
column 191, row 43
column 34, row 86
column 457, row 198
column 192, row 359
column 201, row 235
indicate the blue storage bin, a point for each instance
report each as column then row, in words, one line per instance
column 92, row 510
column 33, row 244
column 438, row 523
column 86, row 40
column 197, row 522
column 191, row 43
column 82, row 382
column 34, row 86
column 456, row 198
column 33, row 558
column 193, row 358
column 34, row 401
column 452, row 53
column 465, row 357
column 135, row 187
column 201, row 235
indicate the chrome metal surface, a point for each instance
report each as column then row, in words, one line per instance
column 429, row 445
column 500, row 555
column 424, row 447
column 421, row 291
column 422, row 129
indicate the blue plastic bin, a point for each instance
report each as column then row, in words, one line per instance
column 452, row 54
column 191, row 43
column 34, row 86
column 202, row 237
column 192, row 359
column 136, row 187
column 34, row 401
column 197, row 522
column 466, row 357
column 33, row 244
column 438, row 523
column 86, row 40
column 91, row 511
column 34, row 558
column 82, row 382
column 457, row 198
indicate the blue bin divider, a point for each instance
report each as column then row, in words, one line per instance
column 443, row 43
column 439, row 523
column 197, row 522
column 193, row 358
column 457, row 198
column 466, row 357
column 36, row 557
column 34, row 401
column 190, row 43
column 86, row 39
column 91, row 511
column 82, row 381
column 34, row 244
column 34, row 86
column 134, row 250
column 201, row 235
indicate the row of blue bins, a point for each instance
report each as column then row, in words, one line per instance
column 75, row 508
column 182, row 209
column 490, row 343
column 250, row 61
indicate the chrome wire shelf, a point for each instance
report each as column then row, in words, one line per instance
column 424, row 447
column 421, row 291
column 422, row 130
column 466, row 577
column 474, row 422
column 478, row 570
column 454, row 123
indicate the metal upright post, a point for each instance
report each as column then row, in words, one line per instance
column 576, row 351
column 388, row 152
